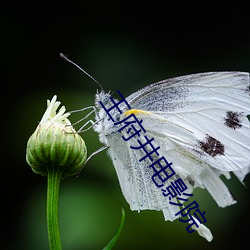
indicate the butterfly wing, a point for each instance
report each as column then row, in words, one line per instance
column 211, row 106
column 135, row 177
column 178, row 147
column 199, row 121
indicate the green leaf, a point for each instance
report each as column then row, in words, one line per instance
column 117, row 234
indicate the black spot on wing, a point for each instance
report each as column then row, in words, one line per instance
column 233, row 119
column 212, row 146
column 248, row 117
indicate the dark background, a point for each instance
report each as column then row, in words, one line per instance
column 125, row 45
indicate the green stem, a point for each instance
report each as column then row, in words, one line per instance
column 54, row 177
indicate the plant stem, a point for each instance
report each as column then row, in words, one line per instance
column 54, row 177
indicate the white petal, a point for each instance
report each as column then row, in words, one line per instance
column 51, row 114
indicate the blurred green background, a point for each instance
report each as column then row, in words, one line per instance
column 125, row 47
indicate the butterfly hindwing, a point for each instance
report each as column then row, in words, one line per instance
column 135, row 177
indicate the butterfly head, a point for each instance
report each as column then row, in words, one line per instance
column 103, row 97
column 105, row 126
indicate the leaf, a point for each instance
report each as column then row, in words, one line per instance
column 117, row 234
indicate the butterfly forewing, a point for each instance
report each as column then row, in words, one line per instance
column 211, row 108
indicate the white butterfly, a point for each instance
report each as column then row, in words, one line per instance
column 200, row 123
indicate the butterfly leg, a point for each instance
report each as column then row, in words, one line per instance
column 96, row 152
column 86, row 116
column 81, row 129
column 92, row 154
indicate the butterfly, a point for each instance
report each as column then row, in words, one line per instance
column 200, row 123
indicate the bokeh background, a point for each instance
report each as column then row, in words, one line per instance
column 125, row 45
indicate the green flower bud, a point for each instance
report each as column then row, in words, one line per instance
column 55, row 144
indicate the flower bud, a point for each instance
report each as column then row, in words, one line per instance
column 55, row 144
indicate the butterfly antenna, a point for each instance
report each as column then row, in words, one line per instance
column 86, row 73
